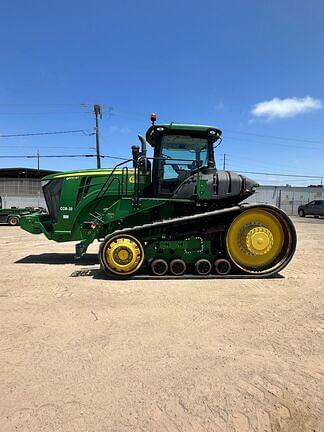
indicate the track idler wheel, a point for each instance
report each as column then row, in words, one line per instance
column 122, row 255
column 222, row 266
column 261, row 240
column 203, row 267
column 177, row 267
column 159, row 267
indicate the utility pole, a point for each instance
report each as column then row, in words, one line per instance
column 224, row 162
column 98, row 114
column 38, row 160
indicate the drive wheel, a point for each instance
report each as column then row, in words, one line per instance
column 259, row 241
column 13, row 221
column 301, row 213
column 122, row 255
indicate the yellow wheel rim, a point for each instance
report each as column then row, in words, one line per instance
column 255, row 239
column 123, row 255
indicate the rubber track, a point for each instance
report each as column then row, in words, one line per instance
column 209, row 214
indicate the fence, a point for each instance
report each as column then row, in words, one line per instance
column 287, row 198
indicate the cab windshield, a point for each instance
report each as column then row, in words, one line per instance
column 181, row 156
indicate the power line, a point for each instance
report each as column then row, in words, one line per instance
column 293, row 180
column 81, row 104
column 46, row 156
column 274, row 137
column 114, row 157
column 247, row 162
column 276, row 144
column 279, row 174
column 60, row 156
column 45, row 113
column 44, row 148
column 46, row 133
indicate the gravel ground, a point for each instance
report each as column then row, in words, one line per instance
column 81, row 353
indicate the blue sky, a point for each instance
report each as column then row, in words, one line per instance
column 202, row 62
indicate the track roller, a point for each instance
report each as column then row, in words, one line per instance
column 177, row 267
column 159, row 267
column 222, row 266
column 203, row 266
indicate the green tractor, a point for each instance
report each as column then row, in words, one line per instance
column 170, row 214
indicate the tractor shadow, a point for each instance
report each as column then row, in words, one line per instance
column 96, row 273
column 59, row 259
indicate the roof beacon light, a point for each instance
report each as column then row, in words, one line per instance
column 153, row 118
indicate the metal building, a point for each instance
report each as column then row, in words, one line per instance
column 288, row 198
column 21, row 187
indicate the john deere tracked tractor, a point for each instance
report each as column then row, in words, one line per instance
column 173, row 213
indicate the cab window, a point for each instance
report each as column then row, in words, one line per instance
column 181, row 156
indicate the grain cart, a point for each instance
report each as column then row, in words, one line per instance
column 173, row 213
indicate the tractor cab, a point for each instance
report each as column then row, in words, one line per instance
column 180, row 152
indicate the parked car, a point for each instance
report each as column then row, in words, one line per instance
column 313, row 208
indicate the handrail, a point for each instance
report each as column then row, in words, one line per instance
column 106, row 185
column 110, row 179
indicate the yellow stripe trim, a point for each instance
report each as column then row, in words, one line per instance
column 92, row 173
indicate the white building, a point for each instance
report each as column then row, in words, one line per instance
column 288, row 198
column 21, row 187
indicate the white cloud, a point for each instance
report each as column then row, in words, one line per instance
column 282, row 108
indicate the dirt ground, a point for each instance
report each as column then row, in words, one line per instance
column 81, row 353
